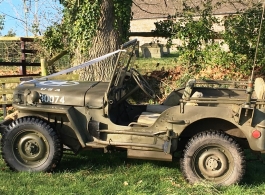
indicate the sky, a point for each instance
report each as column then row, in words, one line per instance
column 20, row 15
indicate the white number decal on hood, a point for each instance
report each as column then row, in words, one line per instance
column 52, row 99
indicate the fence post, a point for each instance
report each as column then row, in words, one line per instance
column 4, row 99
column 23, row 70
column 43, row 64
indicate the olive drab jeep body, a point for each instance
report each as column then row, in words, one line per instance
column 210, row 122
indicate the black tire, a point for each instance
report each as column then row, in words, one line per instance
column 30, row 144
column 215, row 157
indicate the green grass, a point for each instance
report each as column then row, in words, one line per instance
column 93, row 172
column 149, row 64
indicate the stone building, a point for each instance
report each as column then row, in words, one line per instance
column 147, row 12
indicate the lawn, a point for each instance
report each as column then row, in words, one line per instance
column 150, row 64
column 93, row 172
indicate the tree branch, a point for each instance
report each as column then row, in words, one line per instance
column 146, row 10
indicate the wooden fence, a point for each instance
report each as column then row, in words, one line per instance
column 20, row 45
column 22, row 49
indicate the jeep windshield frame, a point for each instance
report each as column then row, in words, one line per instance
column 123, row 63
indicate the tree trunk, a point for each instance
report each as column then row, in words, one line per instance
column 106, row 40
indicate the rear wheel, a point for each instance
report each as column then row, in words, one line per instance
column 213, row 156
column 30, row 144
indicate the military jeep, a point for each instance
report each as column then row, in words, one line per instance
column 211, row 122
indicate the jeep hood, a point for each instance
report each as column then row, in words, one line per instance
column 61, row 92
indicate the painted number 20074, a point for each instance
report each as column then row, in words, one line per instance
column 52, row 99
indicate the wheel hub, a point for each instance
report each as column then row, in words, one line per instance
column 213, row 163
column 31, row 147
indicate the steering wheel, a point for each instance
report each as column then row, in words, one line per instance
column 142, row 83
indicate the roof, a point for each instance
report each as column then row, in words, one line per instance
column 143, row 9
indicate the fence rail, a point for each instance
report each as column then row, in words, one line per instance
column 14, row 52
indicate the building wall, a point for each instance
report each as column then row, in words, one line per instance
column 147, row 25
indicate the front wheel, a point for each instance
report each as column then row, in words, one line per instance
column 30, row 144
column 215, row 157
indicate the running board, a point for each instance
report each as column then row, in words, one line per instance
column 149, row 155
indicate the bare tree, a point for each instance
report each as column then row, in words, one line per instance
column 32, row 16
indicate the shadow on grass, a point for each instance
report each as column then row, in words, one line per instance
column 98, row 160
column 255, row 169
